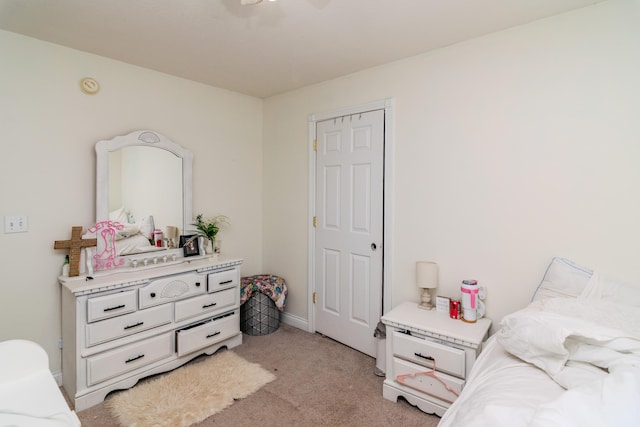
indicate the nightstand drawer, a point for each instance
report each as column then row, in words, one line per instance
column 428, row 353
column 439, row 385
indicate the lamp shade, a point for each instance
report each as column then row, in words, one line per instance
column 172, row 232
column 426, row 274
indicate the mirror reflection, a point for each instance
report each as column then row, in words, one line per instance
column 145, row 194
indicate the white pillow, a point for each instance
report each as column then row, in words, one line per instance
column 566, row 279
column 605, row 289
column 563, row 278
column 132, row 245
column 118, row 215
column 146, row 227
column 127, row 231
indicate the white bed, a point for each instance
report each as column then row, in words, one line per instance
column 571, row 358
column 29, row 395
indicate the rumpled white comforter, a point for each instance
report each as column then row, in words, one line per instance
column 29, row 395
column 589, row 347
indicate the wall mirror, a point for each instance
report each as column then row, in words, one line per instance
column 143, row 181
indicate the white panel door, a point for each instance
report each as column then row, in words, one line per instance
column 349, row 215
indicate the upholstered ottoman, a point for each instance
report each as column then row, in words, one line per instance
column 262, row 299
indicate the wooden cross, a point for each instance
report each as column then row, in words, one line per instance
column 75, row 245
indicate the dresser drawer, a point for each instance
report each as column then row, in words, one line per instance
column 172, row 288
column 111, row 305
column 207, row 333
column 438, row 384
column 113, row 363
column 427, row 353
column 223, row 280
column 128, row 324
column 208, row 303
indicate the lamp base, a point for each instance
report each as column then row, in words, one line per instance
column 425, row 306
column 425, row 303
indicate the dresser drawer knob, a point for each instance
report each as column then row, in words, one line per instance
column 153, row 294
column 114, row 308
column 210, row 305
column 213, row 334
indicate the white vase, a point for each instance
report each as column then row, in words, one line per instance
column 208, row 246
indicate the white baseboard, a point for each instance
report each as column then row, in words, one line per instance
column 295, row 321
column 58, row 377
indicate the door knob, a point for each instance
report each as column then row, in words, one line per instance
column 374, row 246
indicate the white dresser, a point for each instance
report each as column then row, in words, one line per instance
column 120, row 327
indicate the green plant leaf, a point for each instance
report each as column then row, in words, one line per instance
column 209, row 227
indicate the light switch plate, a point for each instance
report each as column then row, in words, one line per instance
column 15, row 224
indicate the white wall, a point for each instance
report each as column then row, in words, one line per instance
column 508, row 150
column 48, row 129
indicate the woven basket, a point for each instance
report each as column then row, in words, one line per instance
column 259, row 315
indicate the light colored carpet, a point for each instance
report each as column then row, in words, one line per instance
column 191, row 393
column 321, row 383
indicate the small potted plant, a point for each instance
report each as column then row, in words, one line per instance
column 209, row 227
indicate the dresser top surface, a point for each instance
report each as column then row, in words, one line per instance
column 100, row 280
column 407, row 315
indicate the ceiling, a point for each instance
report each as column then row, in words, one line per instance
column 271, row 47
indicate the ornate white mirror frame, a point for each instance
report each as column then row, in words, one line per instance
column 145, row 138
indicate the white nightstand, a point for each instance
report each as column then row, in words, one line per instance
column 417, row 340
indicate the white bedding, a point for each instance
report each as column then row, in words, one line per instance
column 574, row 341
column 591, row 348
column 558, row 362
column 135, row 244
column 133, row 238
column 29, row 395
column 501, row 390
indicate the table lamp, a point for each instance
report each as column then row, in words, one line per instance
column 172, row 234
column 426, row 278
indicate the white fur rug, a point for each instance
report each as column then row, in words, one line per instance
column 190, row 393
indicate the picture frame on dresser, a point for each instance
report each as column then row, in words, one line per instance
column 190, row 245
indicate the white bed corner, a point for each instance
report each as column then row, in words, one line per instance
column 570, row 358
column 29, row 395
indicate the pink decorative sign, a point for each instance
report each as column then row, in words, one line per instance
column 106, row 232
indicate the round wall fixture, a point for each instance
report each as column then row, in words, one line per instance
column 89, row 86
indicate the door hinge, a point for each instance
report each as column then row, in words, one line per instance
column 315, row 221
column 315, row 145
column 315, row 297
